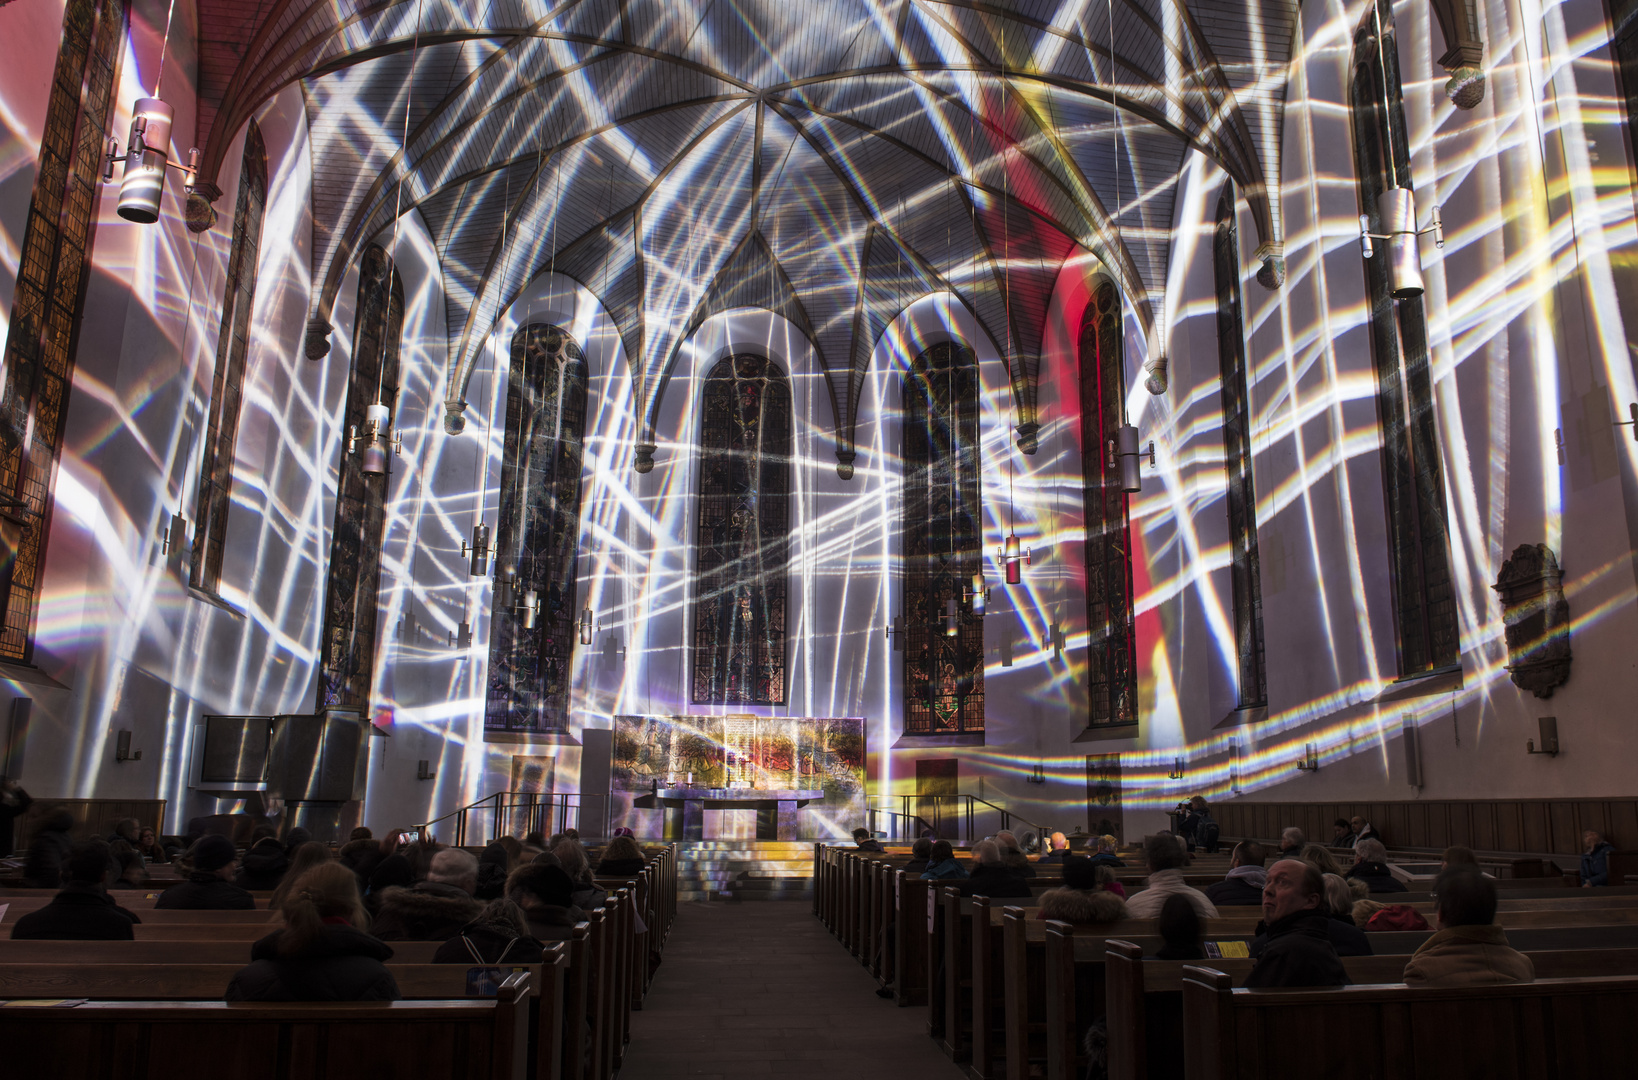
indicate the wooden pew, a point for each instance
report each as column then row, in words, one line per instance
column 908, row 966
column 463, row 1040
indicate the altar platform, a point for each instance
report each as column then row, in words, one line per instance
column 776, row 811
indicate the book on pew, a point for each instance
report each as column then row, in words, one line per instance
column 1227, row 950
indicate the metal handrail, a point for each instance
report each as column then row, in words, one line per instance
column 872, row 811
column 530, row 811
column 965, row 806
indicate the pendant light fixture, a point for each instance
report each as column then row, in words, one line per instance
column 147, row 150
column 477, row 550
column 586, row 625
column 952, row 621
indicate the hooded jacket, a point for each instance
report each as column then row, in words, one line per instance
column 1164, row 883
column 1242, row 886
column 204, row 891
column 1468, row 956
column 431, row 911
column 1297, row 951
column 344, row 964
column 78, row 913
column 263, row 866
column 491, row 939
column 1376, row 876
column 1595, row 864
column 1081, row 906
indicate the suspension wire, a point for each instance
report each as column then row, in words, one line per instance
column 164, row 48
column 398, row 209
column 1387, row 108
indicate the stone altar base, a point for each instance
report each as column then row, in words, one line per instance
column 777, row 812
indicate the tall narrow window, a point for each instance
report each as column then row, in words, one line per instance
column 1111, row 657
column 1244, row 573
column 1419, row 552
column 744, row 534
column 361, row 499
column 52, row 272
column 532, row 630
column 943, row 544
column 232, row 350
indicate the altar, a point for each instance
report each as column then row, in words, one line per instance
column 707, row 777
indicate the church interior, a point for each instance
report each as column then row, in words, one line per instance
column 1097, row 424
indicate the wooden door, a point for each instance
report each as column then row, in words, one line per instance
column 934, row 778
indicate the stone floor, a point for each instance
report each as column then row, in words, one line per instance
column 761, row 990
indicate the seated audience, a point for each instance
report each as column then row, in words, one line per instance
column 1106, row 855
column 263, row 866
column 420, row 855
column 132, row 872
column 295, row 838
column 942, row 865
column 621, row 858
column 572, row 856
column 1371, row 867
column 865, row 841
column 1469, row 949
column 1166, row 858
column 1057, row 848
column 362, row 854
column 920, row 853
column 1595, row 859
column 1348, row 938
column 302, row 859
column 323, row 952
column 126, row 829
column 1321, row 857
column 1457, row 855
column 1244, row 882
column 1180, row 929
column 1013, row 855
column 542, row 893
column 1342, row 834
column 1364, row 830
column 1362, row 912
column 149, row 847
column 14, row 804
column 494, row 865
column 1079, row 900
column 1291, row 843
column 1106, row 879
column 435, row 909
column 83, row 910
column 43, row 868
column 209, row 887
column 1297, row 949
column 991, row 876
column 499, row 935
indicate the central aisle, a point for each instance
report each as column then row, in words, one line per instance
column 761, row 990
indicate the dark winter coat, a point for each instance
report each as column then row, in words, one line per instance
column 9, row 814
column 263, row 866
column 587, row 897
column 43, row 869
column 488, row 940
column 868, row 845
column 1106, row 858
column 1376, row 876
column 1235, row 892
column 621, row 867
column 1595, row 865
column 1346, row 938
column 1297, row 951
column 344, row 964
column 361, row 857
column 549, row 922
column 78, row 913
column 915, row 867
column 205, row 892
column 1002, row 882
column 947, row 870
column 1019, row 862
column 429, row 912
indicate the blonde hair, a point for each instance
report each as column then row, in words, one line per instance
column 1364, row 909
column 1338, row 897
column 327, row 891
column 1316, row 855
column 1107, row 842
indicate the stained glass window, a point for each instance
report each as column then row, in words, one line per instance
column 1111, row 657
column 1244, row 572
column 1419, row 555
column 744, row 534
column 943, row 544
column 350, row 597
column 532, row 630
column 232, row 351
column 52, row 271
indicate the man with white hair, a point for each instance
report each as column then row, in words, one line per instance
column 1057, row 848
column 435, row 909
column 1371, row 867
column 1291, row 842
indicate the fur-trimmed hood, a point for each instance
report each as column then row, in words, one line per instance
column 428, row 912
column 1078, row 906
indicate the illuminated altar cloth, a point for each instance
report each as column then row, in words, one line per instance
column 804, row 777
column 685, row 808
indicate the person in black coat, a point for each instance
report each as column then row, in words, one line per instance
column 324, row 952
column 1245, row 880
column 14, row 804
column 621, row 858
column 920, row 853
column 1371, row 867
column 499, row 935
column 1180, row 929
column 544, row 894
column 865, row 841
column 435, row 909
column 48, row 851
column 1297, row 949
column 83, row 911
column 264, row 865
column 991, row 876
column 209, row 886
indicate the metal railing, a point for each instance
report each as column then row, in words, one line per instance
column 516, row 813
column 949, row 817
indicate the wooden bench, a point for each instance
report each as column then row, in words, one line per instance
column 462, row 1040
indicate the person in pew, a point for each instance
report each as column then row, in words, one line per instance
column 1079, row 900
column 499, row 935
column 434, row 909
column 1469, row 949
column 149, row 847
column 83, row 910
column 1295, row 948
column 210, row 887
column 1321, row 857
column 302, row 859
column 420, row 854
column 265, row 864
column 577, row 864
column 1243, row 885
column 1166, row 858
column 393, row 873
column 1013, row 854
column 494, row 864
column 1107, row 881
column 1364, row 830
column 1180, row 929
column 364, row 855
column 1106, row 854
column 126, row 829
column 942, row 865
column 622, row 857
column 48, row 850
column 132, row 872
column 543, row 893
column 1291, row 843
column 1346, row 937
column 920, row 853
column 1595, row 859
column 324, row 951
column 14, row 804
column 1342, row 833
column 1371, row 867
column 991, row 876
column 864, row 841
column 1057, row 849
column 1457, row 855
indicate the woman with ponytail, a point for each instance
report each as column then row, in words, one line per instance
column 324, row 952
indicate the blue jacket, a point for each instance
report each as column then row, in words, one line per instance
column 1595, row 866
column 949, row 869
column 1105, row 858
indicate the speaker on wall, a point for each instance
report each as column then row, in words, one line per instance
column 1413, row 751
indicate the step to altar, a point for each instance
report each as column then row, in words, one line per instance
column 745, row 870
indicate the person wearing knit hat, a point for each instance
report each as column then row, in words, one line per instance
column 210, row 863
column 543, row 892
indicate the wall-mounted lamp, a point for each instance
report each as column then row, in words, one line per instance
column 1310, row 760
column 1038, row 776
column 1123, row 453
column 461, row 638
column 424, row 771
column 408, row 628
column 1177, row 769
column 895, row 633
column 378, row 438
column 614, row 650
column 122, row 748
column 1396, row 207
column 1632, row 411
column 173, row 541
column 952, row 622
column 1549, row 737
column 146, row 157
column 1015, row 556
column 478, row 549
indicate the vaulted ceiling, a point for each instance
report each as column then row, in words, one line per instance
column 830, row 160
